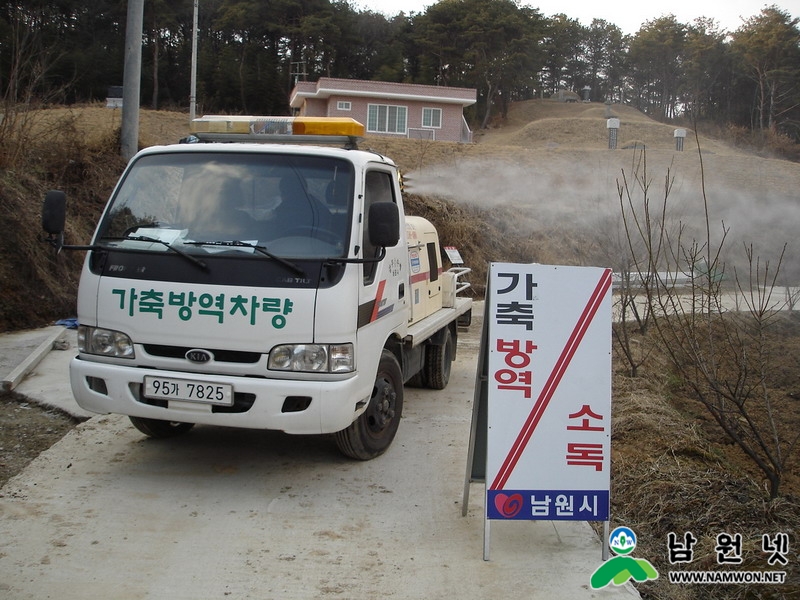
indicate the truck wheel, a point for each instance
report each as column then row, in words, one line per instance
column 438, row 360
column 372, row 432
column 160, row 429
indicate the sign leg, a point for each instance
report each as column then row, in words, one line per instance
column 465, row 499
column 476, row 455
column 486, row 538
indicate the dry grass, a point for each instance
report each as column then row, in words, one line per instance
column 672, row 473
column 95, row 123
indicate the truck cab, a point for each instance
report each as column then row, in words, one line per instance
column 249, row 280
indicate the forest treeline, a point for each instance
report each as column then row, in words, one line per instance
column 251, row 52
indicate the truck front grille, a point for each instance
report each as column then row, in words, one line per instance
column 230, row 356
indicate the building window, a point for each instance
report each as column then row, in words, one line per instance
column 343, row 105
column 383, row 118
column 432, row 117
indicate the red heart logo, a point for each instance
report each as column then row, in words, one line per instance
column 508, row 506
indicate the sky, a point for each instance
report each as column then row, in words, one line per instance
column 628, row 16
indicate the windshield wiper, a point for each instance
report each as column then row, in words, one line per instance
column 260, row 249
column 146, row 238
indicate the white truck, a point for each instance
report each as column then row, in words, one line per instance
column 251, row 280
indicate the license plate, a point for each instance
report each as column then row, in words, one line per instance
column 166, row 388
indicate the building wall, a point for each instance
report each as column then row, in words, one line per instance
column 451, row 117
column 452, row 125
column 314, row 107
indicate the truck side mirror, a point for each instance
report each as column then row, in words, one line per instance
column 54, row 212
column 383, row 222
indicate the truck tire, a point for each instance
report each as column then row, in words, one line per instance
column 373, row 431
column 156, row 428
column 438, row 361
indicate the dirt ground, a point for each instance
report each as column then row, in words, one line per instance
column 27, row 430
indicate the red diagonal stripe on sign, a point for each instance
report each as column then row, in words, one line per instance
column 550, row 386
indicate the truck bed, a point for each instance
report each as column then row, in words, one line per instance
column 422, row 330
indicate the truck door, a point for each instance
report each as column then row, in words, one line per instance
column 434, row 264
column 384, row 286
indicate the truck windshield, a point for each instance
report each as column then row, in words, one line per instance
column 294, row 206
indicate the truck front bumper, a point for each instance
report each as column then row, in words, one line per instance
column 292, row 406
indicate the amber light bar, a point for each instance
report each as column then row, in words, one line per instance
column 250, row 125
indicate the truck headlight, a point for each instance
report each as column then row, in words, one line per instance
column 104, row 342
column 312, row 358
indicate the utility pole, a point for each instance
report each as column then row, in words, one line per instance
column 193, row 91
column 132, row 79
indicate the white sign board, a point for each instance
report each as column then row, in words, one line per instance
column 454, row 255
column 549, row 392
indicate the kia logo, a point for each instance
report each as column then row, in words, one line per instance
column 199, row 356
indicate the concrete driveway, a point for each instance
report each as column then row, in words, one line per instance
column 226, row 513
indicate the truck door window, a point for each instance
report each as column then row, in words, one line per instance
column 378, row 187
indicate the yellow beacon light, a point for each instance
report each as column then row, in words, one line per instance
column 235, row 128
column 327, row 126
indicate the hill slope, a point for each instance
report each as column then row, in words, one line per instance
column 549, row 181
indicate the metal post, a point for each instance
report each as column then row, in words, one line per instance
column 129, row 136
column 613, row 128
column 680, row 136
column 487, row 542
column 193, row 90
